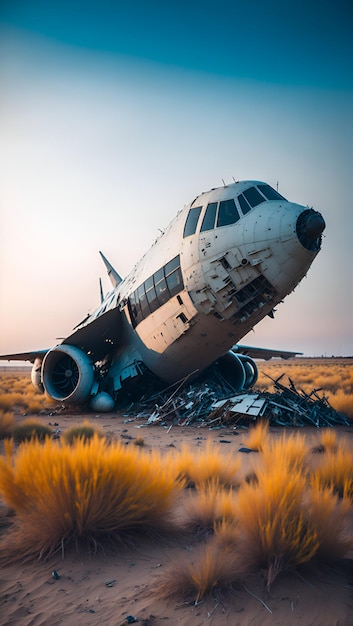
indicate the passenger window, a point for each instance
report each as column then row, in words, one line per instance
column 172, row 265
column 145, row 309
column 162, row 292
column 270, row 193
column 228, row 213
column 191, row 221
column 175, row 282
column 151, row 294
column 134, row 307
column 253, row 196
column 173, row 276
column 209, row 218
column 243, row 204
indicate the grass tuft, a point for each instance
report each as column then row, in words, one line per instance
column 327, row 441
column 335, row 471
column 277, row 534
column 84, row 431
column 207, row 465
column 89, row 491
column 290, row 452
column 258, row 436
column 7, row 423
column 31, row 429
column 139, row 441
column 207, row 507
column 214, row 569
column 329, row 516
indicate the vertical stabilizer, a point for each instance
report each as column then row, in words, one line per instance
column 101, row 290
column 112, row 273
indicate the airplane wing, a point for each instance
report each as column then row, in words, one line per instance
column 263, row 353
column 99, row 336
column 96, row 337
column 24, row 356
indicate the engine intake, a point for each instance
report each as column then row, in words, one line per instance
column 67, row 374
column 239, row 370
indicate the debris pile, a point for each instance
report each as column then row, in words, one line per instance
column 214, row 403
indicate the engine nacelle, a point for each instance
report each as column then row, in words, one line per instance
column 36, row 375
column 67, row 374
column 239, row 370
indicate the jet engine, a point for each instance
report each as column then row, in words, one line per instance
column 67, row 374
column 238, row 369
column 36, row 375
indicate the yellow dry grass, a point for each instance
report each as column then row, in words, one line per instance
column 288, row 452
column 87, row 491
column 273, row 521
column 215, row 567
column 288, row 516
column 31, row 428
column 258, row 436
column 7, row 423
column 209, row 506
column 333, row 376
column 207, row 465
column 334, row 469
column 328, row 514
column 16, row 390
column 82, row 431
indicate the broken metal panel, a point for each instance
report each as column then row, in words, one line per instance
column 245, row 404
column 213, row 403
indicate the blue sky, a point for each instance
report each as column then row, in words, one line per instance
column 115, row 115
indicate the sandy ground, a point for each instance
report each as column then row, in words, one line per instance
column 117, row 588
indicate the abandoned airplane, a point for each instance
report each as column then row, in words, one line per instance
column 223, row 264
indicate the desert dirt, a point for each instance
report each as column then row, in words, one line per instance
column 119, row 587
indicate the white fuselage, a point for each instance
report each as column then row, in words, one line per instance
column 233, row 275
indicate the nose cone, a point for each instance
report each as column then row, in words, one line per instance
column 310, row 226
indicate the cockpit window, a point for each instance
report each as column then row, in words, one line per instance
column 228, row 213
column 253, row 196
column 191, row 221
column 270, row 193
column 209, row 217
column 245, row 207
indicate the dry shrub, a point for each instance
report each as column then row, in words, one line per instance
column 90, row 491
column 290, row 452
column 213, row 569
column 9, row 400
column 277, row 534
column 139, row 441
column 327, row 441
column 334, row 470
column 227, row 533
column 258, row 436
column 31, row 429
column 207, row 465
column 329, row 516
column 342, row 402
column 7, row 424
column 83, row 431
column 333, row 377
column 207, row 507
column 18, row 391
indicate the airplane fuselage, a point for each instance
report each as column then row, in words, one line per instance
column 221, row 266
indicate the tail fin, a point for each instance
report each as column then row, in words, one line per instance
column 112, row 273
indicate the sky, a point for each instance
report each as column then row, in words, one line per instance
column 115, row 115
